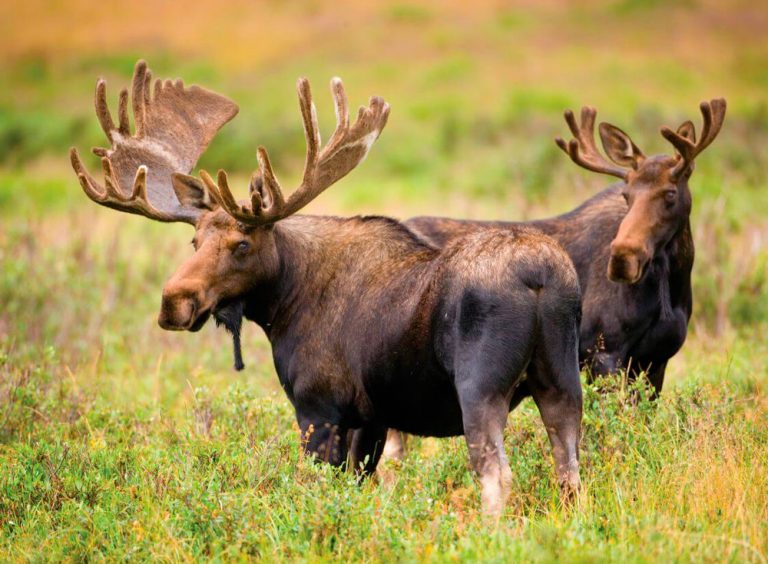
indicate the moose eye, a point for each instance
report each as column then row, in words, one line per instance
column 242, row 247
column 670, row 197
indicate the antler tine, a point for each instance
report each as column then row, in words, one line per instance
column 309, row 119
column 346, row 148
column 222, row 195
column 342, row 112
column 110, row 195
column 683, row 145
column 270, row 186
column 122, row 113
column 713, row 116
column 102, row 109
column 89, row 184
column 713, row 113
column 140, row 96
column 582, row 149
column 110, row 181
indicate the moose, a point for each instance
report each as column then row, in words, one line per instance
column 631, row 245
column 371, row 327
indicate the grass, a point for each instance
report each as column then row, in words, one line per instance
column 87, row 475
column 121, row 441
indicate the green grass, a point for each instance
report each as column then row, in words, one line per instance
column 121, row 441
column 220, row 474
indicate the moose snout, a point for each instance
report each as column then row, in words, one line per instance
column 627, row 262
column 181, row 309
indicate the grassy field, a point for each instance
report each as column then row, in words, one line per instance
column 121, row 441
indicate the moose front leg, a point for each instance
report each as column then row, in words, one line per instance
column 324, row 440
column 394, row 449
column 656, row 377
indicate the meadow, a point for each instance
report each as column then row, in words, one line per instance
column 121, row 441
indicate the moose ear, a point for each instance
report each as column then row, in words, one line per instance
column 619, row 147
column 191, row 192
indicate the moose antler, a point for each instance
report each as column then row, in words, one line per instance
column 346, row 148
column 583, row 150
column 173, row 128
column 713, row 113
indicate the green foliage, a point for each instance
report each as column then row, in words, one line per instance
column 24, row 136
column 750, row 302
column 223, row 478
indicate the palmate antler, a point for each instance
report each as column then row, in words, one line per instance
column 346, row 148
column 173, row 128
column 713, row 113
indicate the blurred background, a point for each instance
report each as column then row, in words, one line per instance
column 477, row 91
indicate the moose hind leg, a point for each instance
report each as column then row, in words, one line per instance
column 394, row 449
column 494, row 345
column 561, row 414
column 484, row 422
column 553, row 379
column 366, row 447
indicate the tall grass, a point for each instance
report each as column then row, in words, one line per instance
column 681, row 479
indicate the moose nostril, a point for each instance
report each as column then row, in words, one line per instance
column 192, row 308
column 628, row 249
column 178, row 311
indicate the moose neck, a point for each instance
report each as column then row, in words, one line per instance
column 320, row 255
column 680, row 255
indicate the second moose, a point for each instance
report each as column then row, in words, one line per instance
column 631, row 244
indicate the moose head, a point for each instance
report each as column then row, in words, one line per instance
column 655, row 188
column 148, row 174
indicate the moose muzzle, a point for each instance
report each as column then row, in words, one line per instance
column 627, row 262
column 182, row 309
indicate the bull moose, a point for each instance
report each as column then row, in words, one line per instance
column 631, row 244
column 370, row 326
column 636, row 232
